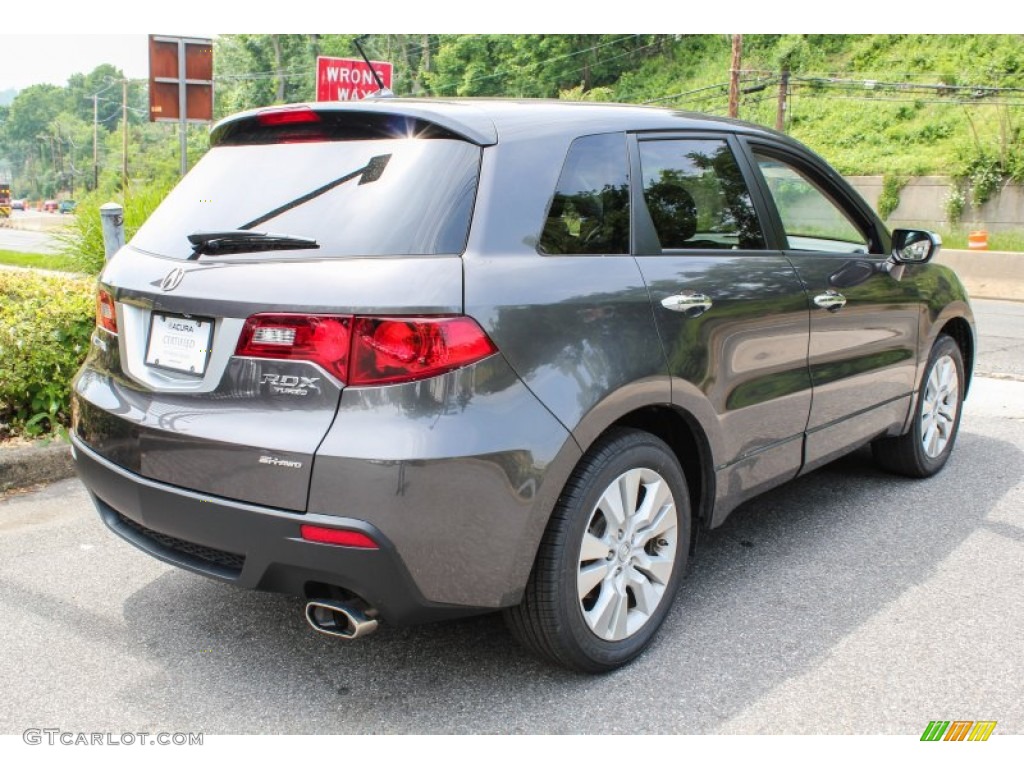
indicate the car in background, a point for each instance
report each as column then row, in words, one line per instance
column 50, row 206
column 17, row 205
column 418, row 359
column 66, row 206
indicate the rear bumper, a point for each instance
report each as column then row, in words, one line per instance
column 251, row 546
column 455, row 476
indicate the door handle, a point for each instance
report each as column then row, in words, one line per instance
column 833, row 301
column 689, row 303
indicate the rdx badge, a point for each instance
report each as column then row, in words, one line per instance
column 290, row 385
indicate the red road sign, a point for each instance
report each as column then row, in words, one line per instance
column 348, row 79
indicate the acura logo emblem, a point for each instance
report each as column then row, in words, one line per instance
column 173, row 279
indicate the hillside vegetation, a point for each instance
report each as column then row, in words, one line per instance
column 896, row 105
column 872, row 104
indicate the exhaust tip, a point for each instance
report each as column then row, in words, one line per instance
column 337, row 619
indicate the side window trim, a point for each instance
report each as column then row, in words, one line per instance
column 644, row 238
column 832, row 191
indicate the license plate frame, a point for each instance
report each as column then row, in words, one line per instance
column 183, row 347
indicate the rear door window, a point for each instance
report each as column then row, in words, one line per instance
column 697, row 197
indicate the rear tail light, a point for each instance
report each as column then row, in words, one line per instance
column 106, row 314
column 386, row 350
column 362, row 351
column 320, row 339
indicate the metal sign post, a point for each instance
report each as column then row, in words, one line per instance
column 182, row 108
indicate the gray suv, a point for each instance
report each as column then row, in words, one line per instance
column 421, row 359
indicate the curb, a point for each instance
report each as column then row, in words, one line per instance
column 31, row 464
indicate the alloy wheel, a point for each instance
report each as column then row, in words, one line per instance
column 939, row 406
column 627, row 554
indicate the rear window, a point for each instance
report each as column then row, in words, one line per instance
column 417, row 199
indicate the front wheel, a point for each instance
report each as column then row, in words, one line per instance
column 926, row 447
column 611, row 559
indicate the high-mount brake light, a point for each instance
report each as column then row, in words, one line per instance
column 287, row 116
column 106, row 314
column 366, row 351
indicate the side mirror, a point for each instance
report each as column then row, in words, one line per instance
column 914, row 246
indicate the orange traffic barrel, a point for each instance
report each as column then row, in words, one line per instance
column 978, row 240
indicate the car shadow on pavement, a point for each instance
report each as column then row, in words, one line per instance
column 768, row 595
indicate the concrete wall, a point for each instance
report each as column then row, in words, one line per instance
column 923, row 203
column 988, row 274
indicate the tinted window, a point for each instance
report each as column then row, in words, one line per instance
column 418, row 200
column 696, row 195
column 811, row 220
column 590, row 209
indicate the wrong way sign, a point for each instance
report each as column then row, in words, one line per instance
column 348, row 79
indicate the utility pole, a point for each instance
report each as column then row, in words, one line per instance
column 124, row 135
column 734, row 76
column 780, row 110
column 95, row 141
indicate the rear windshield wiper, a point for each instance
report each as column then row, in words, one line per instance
column 368, row 174
column 244, row 241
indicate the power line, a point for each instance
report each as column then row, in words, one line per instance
column 949, row 101
column 685, row 93
column 871, row 84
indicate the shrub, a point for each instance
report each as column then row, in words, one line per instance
column 986, row 176
column 956, row 201
column 889, row 199
column 45, row 326
column 82, row 243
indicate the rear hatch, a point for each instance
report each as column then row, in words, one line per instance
column 219, row 360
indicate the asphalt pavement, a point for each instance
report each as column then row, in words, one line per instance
column 27, row 241
column 846, row 602
column 32, row 232
column 1000, row 338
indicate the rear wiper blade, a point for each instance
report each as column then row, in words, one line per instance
column 368, row 174
column 244, row 241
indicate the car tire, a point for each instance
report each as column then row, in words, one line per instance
column 926, row 447
column 611, row 559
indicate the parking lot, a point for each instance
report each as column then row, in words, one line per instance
column 848, row 601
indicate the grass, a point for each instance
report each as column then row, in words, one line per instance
column 37, row 260
column 997, row 241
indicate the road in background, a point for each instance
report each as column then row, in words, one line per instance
column 1001, row 338
column 32, row 231
column 27, row 241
